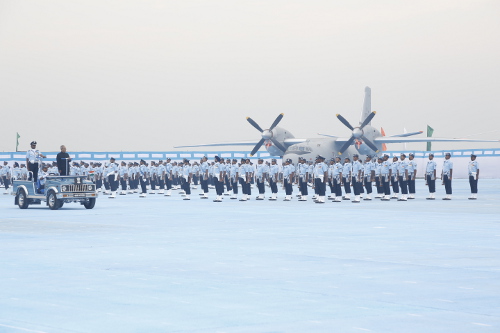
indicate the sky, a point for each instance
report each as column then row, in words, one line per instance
column 123, row 75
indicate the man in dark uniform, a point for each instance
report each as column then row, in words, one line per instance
column 63, row 160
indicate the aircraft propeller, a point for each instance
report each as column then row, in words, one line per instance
column 357, row 133
column 266, row 134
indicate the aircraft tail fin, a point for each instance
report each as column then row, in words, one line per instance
column 367, row 105
column 384, row 146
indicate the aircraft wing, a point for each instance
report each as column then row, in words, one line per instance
column 385, row 139
column 287, row 142
column 221, row 144
column 406, row 134
column 293, row 141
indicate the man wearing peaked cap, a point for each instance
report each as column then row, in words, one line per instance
column 33, row 159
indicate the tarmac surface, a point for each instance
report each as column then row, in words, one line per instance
column 161, row 264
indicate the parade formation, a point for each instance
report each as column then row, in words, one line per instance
column 356, row 180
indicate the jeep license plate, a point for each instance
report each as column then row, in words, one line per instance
column 79, row 195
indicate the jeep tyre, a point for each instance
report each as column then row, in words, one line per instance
column 90, row 204
column 52, row 201
column 22, row 199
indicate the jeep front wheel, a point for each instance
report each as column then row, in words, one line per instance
column 52, row 201
column 89, row 204
column 22, row 199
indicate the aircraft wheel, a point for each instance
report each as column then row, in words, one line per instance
column 90, row 204
column 22, row 199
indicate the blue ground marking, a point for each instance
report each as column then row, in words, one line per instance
column 165, row 265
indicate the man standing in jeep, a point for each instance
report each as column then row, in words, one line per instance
column 33, row 158
column 63, row 160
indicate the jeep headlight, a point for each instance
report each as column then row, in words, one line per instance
column 64, row 188
column 90, row 187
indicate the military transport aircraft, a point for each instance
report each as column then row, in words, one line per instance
column 364, row 139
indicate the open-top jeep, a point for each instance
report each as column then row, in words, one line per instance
column 56, row 191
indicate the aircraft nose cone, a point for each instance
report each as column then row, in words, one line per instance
column 267, row 134
column 357, row 132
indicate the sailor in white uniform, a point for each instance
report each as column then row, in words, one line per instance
column 473, row 176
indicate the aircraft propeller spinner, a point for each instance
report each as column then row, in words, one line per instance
column 357, row 133
column 266, row 134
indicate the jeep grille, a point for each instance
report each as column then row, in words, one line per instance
column 78, row 188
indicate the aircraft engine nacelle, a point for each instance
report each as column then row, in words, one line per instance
column 278, row 134
column 362, row 148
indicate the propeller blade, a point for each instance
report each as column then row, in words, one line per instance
column 368, row 119
column 254, row 124
column 346, row 145
column 344, row 121
column 278, row 145
column 257, row 147
column 276, row 121
column 370, row 144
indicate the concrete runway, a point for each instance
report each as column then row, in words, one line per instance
column 161, row 264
